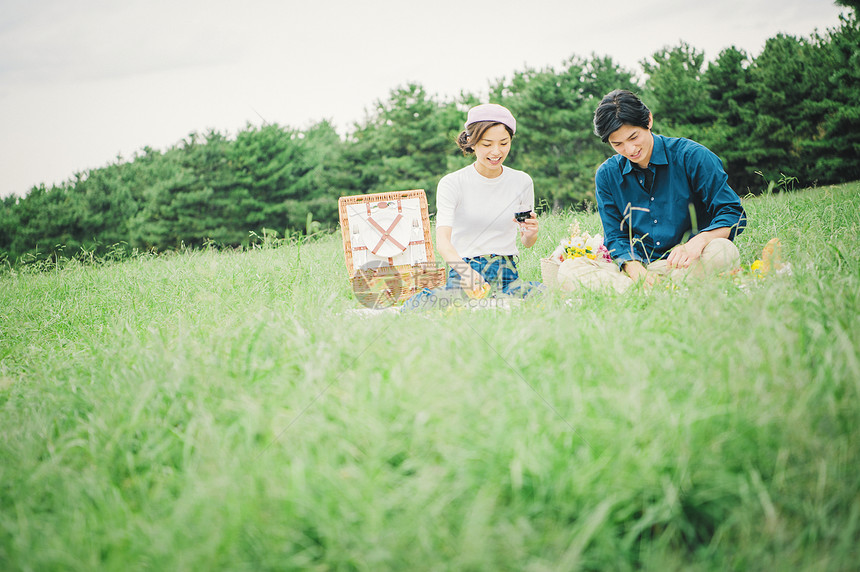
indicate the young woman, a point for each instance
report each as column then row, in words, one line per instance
column 476, row 228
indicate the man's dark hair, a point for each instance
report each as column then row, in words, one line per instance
column 617, row 108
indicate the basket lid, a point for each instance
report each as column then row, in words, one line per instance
column 385, row 231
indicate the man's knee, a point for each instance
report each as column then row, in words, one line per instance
column 720, row 255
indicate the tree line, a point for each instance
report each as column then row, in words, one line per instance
column 792, row 111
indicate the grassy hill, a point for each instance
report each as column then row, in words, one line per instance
column 225, row 410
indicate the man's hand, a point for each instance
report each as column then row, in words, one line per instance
column 637, row 271
column 685, row 254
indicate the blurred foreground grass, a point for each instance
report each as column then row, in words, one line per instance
column 212, row 410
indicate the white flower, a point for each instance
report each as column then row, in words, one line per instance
column 594, row 242
column 577, row 241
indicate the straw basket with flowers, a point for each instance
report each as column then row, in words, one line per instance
column 575, row 245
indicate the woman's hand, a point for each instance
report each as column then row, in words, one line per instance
column 469, row 279
column 528, row 230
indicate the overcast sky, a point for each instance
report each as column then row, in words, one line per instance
column 83, row 81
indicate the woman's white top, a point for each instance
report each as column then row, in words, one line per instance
column 480, row 211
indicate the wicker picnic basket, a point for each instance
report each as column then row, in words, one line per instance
column 387, row 246
column 549, row 272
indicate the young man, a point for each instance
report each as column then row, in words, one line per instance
column 664, row 202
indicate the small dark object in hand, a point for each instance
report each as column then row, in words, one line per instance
column 521, row 217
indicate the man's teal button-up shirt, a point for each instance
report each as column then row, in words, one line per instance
column 689, row 194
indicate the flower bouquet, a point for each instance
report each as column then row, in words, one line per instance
column 581, row 244
column 577, row 244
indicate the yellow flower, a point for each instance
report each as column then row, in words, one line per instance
column 755, row 266
column 478, row 292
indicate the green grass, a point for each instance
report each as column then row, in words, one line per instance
column 222, row 410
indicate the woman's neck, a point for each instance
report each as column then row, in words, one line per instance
column 487, row 173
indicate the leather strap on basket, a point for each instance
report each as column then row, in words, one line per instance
column 386, row 234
